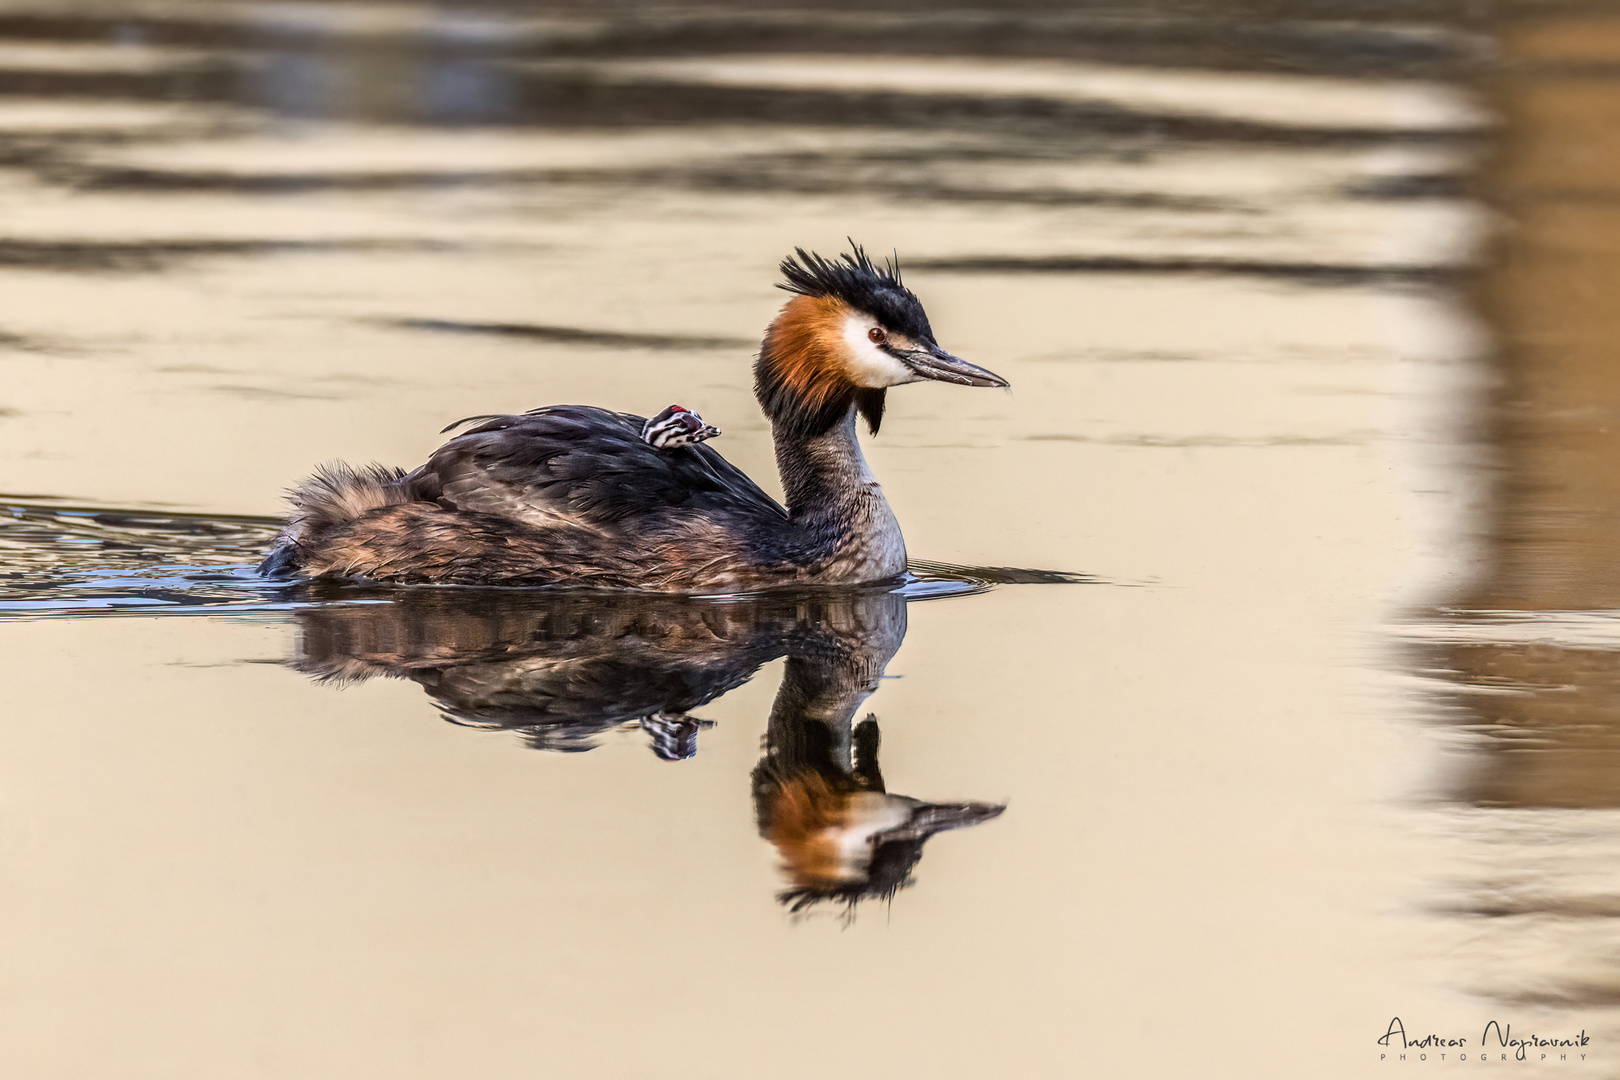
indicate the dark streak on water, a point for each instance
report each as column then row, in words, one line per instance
column 573, row 335
column 1304, row 273
column 776, row 174
column 1212, row 441
column 148, row 256
column 1332, row 37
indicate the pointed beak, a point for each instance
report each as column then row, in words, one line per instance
column 930, row 818
column 933, row 362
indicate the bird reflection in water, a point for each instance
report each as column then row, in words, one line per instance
column 562, row 669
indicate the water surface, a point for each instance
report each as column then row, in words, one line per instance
column 1309, row 735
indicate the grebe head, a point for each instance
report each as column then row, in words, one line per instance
column 676, row 426
column 851, row 331
column 854, row 845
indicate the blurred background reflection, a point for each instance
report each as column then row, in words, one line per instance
column 1525, row 654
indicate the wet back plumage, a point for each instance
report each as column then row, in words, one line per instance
column 581, row 466
column 560, row 495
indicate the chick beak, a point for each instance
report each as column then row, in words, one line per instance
column 933, row 362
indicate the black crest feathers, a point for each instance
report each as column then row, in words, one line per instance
column 809, row 274
column 862, row 284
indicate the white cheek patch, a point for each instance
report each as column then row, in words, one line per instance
column 869, row 365
column 867, row 814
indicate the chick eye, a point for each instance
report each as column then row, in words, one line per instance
column 877, row 335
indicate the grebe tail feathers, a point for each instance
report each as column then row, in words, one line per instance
column 334, row 496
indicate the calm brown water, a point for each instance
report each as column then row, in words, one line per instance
column 1307, row 316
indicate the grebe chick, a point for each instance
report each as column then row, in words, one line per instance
column 676, row 426
column 578, row 496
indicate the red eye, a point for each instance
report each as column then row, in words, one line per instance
column 878, row 335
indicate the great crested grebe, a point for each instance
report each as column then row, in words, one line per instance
column 581, row 496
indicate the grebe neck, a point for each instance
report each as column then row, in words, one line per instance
column 833, row 497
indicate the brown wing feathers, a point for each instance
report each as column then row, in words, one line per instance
column 567, row 495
